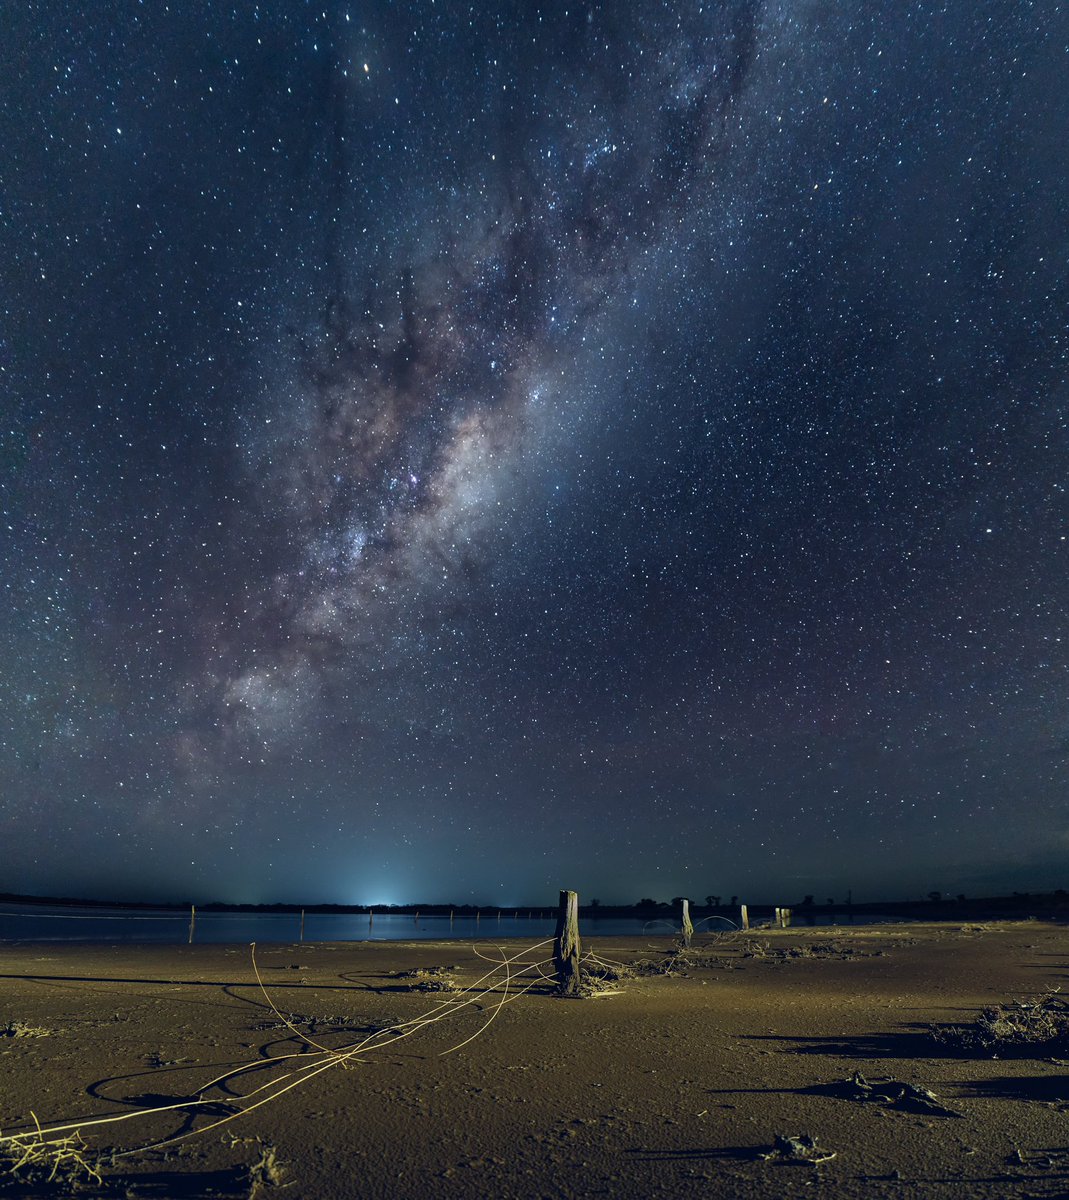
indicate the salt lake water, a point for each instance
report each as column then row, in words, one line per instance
column 43, row 923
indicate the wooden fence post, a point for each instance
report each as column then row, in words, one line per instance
column 192, row 921
column 566, row 947
column 744, row 917
column 688, row 929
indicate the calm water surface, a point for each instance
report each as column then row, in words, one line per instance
column 39, row 923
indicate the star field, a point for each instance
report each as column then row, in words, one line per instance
column 457, row 452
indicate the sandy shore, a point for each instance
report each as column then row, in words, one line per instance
column 667, row 1085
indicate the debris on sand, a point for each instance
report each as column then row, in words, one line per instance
column 267, row 1172
column 426, row 973
column 600, row 978
column 435, row 985
column 20, row 1029
column 890, row 1092
column 430, row 979
column 1022, row 1029
column 796, row 1148
column 288, row 1020
column 36, row 1165
column 807, row 950
column 675, row 962
column 1045, row 1160
column 752, row 948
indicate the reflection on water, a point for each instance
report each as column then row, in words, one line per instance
column 40, row 923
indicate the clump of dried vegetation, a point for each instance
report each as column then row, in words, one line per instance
column 430, row 979
column 675, row 962
column 62, row 1163
column 681, row 958
column 1021, row 1028
column 310, row 1023
column 19, row 1029
column 266, row 1172
column 752, row 948
column 601, row 977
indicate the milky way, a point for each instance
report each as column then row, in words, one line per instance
column 410, row 408
column 465, row 453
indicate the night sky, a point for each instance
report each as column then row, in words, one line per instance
column 453, row 452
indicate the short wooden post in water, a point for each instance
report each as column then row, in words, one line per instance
column 566, row 947
column 370, row 917
column 302, row 924
column 688, row 929
column 744, row 917
column 192, row 921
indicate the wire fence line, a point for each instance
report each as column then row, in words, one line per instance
column 288, row 927
column 294, row 926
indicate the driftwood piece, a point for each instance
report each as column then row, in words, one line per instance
column 890, row 1092
column 687, row 931
column 797, row 1148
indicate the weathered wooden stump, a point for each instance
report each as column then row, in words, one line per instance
column 192, row 921
column 566, row 947
column 744, row 917
column 687, row 931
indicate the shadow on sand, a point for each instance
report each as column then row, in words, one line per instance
column 1046, row 1089
column 917, row 1042
column 230, row 1183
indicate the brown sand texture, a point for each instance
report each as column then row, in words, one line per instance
column 729, row 1072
